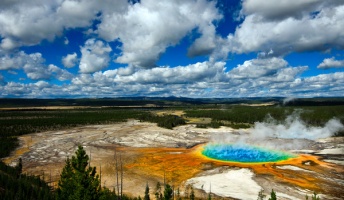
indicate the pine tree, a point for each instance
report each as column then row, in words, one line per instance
column 19, row 167
column 147, row 193
column 192, row 194
column 66, row 184
column 273, row 195
column 78, row 180
column 168, row 192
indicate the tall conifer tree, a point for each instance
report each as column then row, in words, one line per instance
column 147, row 197
column 79, row 181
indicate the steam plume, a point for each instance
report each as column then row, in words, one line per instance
column 295, row 128
column 292, row 134
column 288, row 99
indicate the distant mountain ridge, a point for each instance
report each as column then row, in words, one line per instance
column 168, row 101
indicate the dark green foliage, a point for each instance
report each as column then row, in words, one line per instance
column 212, row 124
column 335, row 101
column 106, row 194
column 168, row 192
column 19, row 167
column 273, row 195
column 14, row 123
column 243, row 116
column 165, row 121
column 239, row 114
column 78, row 180
column 146, row 197
column 135, row 101
column 21, row 186
column 66, row 182
column 192, row 194
column 7, row 144
column 215, row 124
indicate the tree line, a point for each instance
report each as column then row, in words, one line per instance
column 237, row 116
column 165, row 121
column 16, row 123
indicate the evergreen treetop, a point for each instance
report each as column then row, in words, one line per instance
column 77, row 180
column 146, row 197
column 273, row 195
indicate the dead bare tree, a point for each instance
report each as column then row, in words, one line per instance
column 50, row 178
column 164, row 177
column 119, row 175
column 116, row 164
column 89, row 163
column 100, row 175
column 121, row 163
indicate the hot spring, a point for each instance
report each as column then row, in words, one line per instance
column 244, row 153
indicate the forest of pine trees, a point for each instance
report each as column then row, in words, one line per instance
column 15, row 185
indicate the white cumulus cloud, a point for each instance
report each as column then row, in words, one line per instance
column 146, row 29
column 34, row 66
column 204, row 79
column 24, row 23
column 10, row 62
column 331, row 63
column 58, row 73
column 258, row 68
column 272, row 10
column 94, row 56
column 288, row 26
column 70, row 60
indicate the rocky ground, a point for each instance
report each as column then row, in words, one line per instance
column 150, row 153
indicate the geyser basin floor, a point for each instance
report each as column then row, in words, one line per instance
column 146, row 158
column 243, row 153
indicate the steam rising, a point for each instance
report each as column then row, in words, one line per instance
column 288, row 99
column 295, row 128
column 292, row 134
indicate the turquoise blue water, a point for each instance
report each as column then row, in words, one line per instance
column 244, row 153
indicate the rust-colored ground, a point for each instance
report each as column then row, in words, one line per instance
column 179, row 165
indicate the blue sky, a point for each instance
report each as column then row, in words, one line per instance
column 189, row 48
